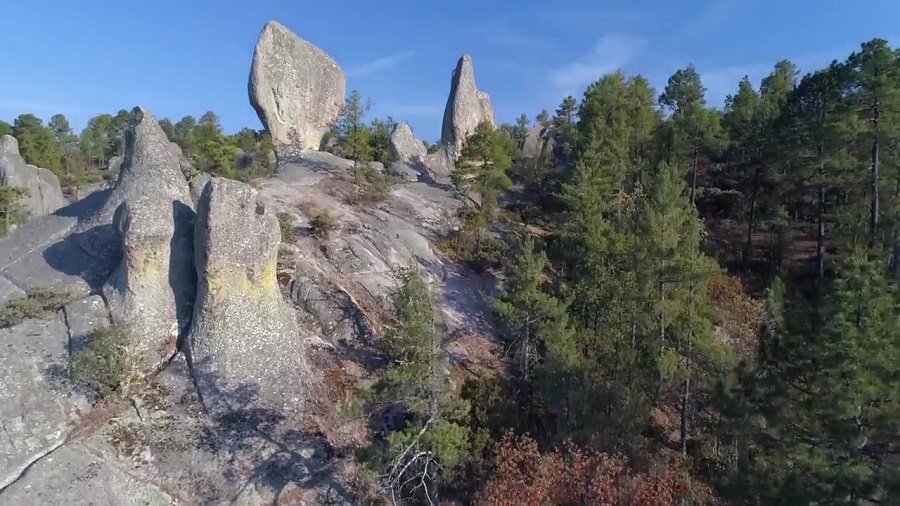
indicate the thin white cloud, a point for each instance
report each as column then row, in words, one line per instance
column 379, row 64
column 609, row 54
column 710, row 19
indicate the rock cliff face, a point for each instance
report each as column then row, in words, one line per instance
column 44, row 193
column 296, row 89
column 466, row 106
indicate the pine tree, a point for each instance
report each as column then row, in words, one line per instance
column 433, row 438
column 528, row 317
column 825, row 393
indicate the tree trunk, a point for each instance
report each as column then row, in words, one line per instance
column 685, row 394
column 876, row 168
column 694, row 175
column 748, row 247
column 820, row 236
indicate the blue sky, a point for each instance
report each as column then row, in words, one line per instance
column 177, row 57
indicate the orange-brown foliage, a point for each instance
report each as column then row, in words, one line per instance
column 736, row 313
column 525, row 476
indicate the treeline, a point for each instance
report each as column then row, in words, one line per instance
column 78, row 159
column 639, row 371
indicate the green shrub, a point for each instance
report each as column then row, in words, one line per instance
column 37, row 304
column 286, row 223
column 372, row 186
column 106, row 363
column 322, row 224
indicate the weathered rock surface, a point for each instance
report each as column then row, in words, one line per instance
column 244, row 339
column 44, row 253
column 114, row 165
column 44, row 193
column 466, row 107
column 152, row 290
column 296, row 89
column 78, row 474
column 408, row 153
column 36, row 409
column 404, row 144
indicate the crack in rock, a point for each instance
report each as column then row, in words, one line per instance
column 10, row 480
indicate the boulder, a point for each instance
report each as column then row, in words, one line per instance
column 152, row 290
column 466, row 107
column 404, row 145
column 296, row 89
column 245, row 344
column 408, row 153
column 44, row 193
column 534, row 142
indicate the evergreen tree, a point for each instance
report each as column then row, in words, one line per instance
column 529, row 318
column 37, row 143
column 433, row 439
column 693, row 131
column 825, row 394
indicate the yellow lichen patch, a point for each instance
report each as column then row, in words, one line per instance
column 251, row 283
column 144, row 262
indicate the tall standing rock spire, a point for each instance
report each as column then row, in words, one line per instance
column 466, row 106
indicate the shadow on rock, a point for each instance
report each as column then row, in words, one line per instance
column 68, row 256
column 182, row 273
column 84, row 208
column 260, row 449
column 425, row 176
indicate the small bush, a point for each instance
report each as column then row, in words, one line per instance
column 322, row 224
column 106, row 363
column 37, row 304
column 372, row 185
column 286, row 223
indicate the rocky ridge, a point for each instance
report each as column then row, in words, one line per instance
column 193, row 264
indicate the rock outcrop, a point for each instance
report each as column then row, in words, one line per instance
column 466, row 106
column 404, row 144
column 152, row 290
column 44, row 193
column 245, row 344
column 296, row 89
column 408, row 153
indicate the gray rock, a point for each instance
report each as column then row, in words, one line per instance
column 44, row 193
column 408, row 153
column 405, row 146
column 79, row 474
column 42, row 253
column 466, row 107
column 534, row 142
column 151, row 291
column 115, row 164
column 439, row 165
column 9, row 291
column 296, row 89
column 197, row 184
column 152, row 170
column 35, row 407
column 83, row 317
column 245, row 343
